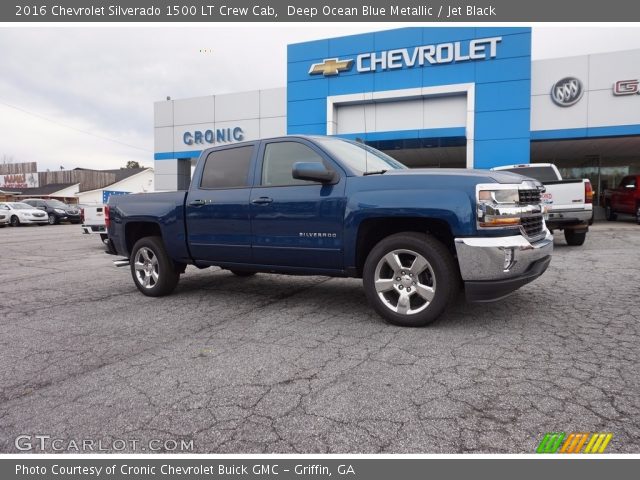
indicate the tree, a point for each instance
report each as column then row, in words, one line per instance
column 132, row 164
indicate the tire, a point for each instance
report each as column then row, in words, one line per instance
column 609, row 214
column 152, row 270
column 574, row 238
column 243, row 273
column 434, row 282
column 52, row 219
column 104, row 237
column 15, row 221
column 638, row 214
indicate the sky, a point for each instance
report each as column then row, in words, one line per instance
column 83, row 97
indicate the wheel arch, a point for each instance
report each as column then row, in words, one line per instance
column 372, row 230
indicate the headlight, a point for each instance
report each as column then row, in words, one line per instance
column 498, row 206
column 499, row 196
column 58, row 210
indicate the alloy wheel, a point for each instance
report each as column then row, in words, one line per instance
column 146, row 267
column 405, row 281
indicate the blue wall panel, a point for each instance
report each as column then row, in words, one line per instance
column 503, row 84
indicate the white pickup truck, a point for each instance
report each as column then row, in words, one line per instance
column 93, row 221
column 568, row 203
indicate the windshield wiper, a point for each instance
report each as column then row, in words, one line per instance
column 375, row 172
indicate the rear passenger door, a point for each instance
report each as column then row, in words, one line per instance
column 294, row 222
column 217, row 207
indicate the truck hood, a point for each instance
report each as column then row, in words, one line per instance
column 481, row 176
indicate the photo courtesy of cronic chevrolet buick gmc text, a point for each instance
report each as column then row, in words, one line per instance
column 328, row 206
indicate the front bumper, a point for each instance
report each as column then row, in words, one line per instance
column 494, row 267
column 29, row 220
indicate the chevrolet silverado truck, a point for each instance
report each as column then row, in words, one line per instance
column 329, row 206
column 568, row 202
column 624, row 199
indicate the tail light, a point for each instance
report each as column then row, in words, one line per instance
column 588, row 192
column 82, row 215
column 107, row 218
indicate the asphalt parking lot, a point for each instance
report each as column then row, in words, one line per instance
column 303, row 364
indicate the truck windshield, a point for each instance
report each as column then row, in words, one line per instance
column 542, row 174
column 358, row 156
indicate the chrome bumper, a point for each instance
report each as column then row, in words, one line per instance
column 487, row 258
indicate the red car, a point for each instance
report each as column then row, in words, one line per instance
column 624, row 199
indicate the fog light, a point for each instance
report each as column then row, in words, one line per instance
column 508, row 259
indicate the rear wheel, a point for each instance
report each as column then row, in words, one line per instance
column 638, row 214
column 410, row 278
column 15, row 221
column 243, row 273
column 574, row 238
column 609, row 214
column 152, row 270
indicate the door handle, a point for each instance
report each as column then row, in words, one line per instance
column 197, row 203
column 262, row 201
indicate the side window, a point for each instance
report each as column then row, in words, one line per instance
column 278, row 161
column 227, row 168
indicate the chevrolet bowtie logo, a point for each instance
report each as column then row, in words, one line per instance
column 331, row 66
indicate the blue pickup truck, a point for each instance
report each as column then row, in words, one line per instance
column 307, row 205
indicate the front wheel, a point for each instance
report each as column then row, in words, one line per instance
column 574, row 238
column 410, row 278
column 52, row 219
column 609, row 214
column 15, row 221
column 152, row 270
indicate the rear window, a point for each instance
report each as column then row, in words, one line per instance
column 227, row 168
column 542, row 174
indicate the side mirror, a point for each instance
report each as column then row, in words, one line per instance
column 312, row 171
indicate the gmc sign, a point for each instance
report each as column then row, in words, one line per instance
column 626, row 87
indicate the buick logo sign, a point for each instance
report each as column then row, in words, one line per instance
column 567, row 92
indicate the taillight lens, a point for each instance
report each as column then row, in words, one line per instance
column 107, row 218
column 588, row 192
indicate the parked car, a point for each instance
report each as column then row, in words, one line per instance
column 92, row 218
column 568, row 202
column 56, row 210
column 624, row 199
column 21, row 213
column 4, row 218
column 329, row 206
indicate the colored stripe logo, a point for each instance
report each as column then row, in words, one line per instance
column 560, row 442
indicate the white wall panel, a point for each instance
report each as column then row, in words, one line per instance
column 607, row 68
column 163, row 139
column 193, row 110
column 443, row 112
column 273, row 127
column 273, row 102
column 546, row 115
column 163, row 114
column 605, row 109
column 238, row 106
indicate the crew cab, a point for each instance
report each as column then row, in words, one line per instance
column 624, row 199
column 329, row 206
column 568, row 202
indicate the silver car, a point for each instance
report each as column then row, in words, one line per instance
column 22, row 214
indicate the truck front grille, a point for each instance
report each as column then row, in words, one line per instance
column 532, row 225
column 529, row 197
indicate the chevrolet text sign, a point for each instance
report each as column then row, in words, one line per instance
column 441, row 53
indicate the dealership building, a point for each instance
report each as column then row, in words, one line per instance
column 430, row 97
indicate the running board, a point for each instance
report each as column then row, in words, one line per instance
column 121, row 263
